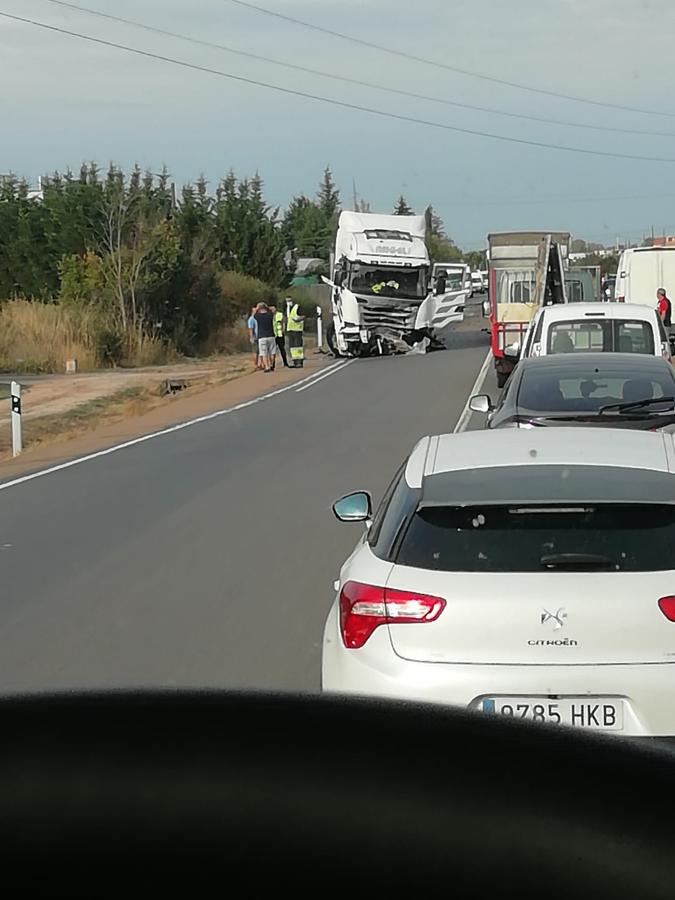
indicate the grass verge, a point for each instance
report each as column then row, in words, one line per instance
column 124, row 404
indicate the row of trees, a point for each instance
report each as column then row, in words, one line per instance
column 151, row 260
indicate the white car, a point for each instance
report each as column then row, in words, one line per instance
column 529, row 574
column 595, row 327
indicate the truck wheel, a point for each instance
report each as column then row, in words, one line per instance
column 502, row 378
column 330, row 339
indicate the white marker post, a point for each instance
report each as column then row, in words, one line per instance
column 319, row 330
column 15, row 392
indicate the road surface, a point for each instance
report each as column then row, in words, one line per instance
column 206, row 557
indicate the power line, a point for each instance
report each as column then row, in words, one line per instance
column 339, row 103
column 367, row 84
column 439, row 65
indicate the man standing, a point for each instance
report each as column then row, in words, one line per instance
column 252, row 326
column 278, row 320
column 267, row 346
column 664, row 307
column 294, row 328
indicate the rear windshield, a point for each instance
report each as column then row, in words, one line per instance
column 611, row 336
column 588, row 390
column 604, row 537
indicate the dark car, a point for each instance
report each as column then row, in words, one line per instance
column 615, row 390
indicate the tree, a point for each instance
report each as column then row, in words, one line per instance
column 401, row 207
column 441, row 248
column 248, row 238
column 475, row 258
column 328, row 195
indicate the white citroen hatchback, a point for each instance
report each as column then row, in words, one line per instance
column 530, row 575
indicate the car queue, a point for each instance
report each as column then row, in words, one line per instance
column 527, row 569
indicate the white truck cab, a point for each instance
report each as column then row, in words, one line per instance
column 381, row 298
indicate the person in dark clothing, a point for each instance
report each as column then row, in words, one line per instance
column 664, row 307
column 267, row 346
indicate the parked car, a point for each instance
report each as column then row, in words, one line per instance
column 530, row 577
column 614, row 390
column 593, row 328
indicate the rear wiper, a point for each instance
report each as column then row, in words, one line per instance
column 576, row 560
column 635, row 404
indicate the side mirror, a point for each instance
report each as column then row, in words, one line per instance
column 481, row 403
column 356, row 507
column 486, row 308
column 512, row 351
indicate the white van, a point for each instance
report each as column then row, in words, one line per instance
column 642, row 271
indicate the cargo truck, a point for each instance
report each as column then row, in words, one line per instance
column 526, row 271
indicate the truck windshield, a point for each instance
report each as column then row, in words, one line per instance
column 408, row 284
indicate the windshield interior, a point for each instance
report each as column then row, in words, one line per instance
column 589, row 390
column 610, row 335
column 397, row 281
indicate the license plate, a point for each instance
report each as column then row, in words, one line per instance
column 597, row 713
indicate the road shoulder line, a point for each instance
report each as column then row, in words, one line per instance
column 161, row 433
column 465, row 417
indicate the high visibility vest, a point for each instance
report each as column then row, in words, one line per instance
column 278, row 324
column 293, row 324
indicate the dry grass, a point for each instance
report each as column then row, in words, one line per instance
column 40, row 337
column 229, row 339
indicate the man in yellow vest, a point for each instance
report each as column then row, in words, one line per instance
column 294, row 331
column 278, row 321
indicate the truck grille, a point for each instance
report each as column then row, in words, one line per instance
column 386, row 317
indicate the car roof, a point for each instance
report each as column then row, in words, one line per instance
column 564, row 311
column 630, row 362
column 606, row 447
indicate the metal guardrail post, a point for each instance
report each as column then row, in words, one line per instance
column 15, row 392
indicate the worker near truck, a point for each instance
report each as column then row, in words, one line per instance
column 295, row 327
column 664, row 307
column 279, row 327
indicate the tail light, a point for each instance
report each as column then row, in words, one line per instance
column 363, row 607
column 621, row 299
column 667, row 607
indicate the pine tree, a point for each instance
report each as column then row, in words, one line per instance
column 328, row 196
column 401, row 207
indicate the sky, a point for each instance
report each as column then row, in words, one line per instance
column 64, row 100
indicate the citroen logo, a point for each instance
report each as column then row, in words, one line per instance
column 558, row 617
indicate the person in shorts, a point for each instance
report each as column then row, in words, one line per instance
column 267, row 345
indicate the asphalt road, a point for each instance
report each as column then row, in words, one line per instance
column 206, row 557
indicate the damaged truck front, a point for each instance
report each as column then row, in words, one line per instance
column 381, row 302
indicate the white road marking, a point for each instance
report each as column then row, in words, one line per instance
column 463, row 420
column 155, row 434
column 331, row 371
